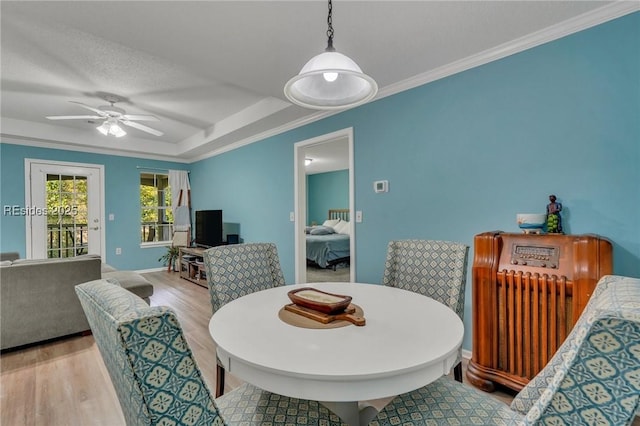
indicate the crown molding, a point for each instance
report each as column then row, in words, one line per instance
column 570, row 26
column 65, row 146
column 266, row 134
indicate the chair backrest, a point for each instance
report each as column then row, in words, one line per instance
column 437, row 269
column 594, row 377
column 237, row 270
column 150, row 363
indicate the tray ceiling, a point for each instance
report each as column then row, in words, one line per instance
column 213, row 72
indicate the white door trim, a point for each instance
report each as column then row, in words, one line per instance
column 28, row 199
column 300, row 200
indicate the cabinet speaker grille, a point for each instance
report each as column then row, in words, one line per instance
column 535, row 313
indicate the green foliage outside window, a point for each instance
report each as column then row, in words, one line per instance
column 66, row 207
column 156, row 216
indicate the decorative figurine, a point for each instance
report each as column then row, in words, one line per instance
column 554, row 221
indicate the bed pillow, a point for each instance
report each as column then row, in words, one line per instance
column 331, row 222
column 338, row 228
column 322, row 230
column 343, row 227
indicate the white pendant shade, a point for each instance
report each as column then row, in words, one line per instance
column 328, row 81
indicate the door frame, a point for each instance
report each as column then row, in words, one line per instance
column 300, row 200
column 28, row 162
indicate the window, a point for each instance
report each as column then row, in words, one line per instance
column 67, row 232
column 156, row 217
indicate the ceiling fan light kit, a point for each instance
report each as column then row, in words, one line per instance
column 110, row 127
column 330, row 80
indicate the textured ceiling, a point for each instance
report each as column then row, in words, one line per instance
column 213, row 71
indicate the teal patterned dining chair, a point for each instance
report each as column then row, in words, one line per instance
column 157, row 379
column 237, row 270
column 437, row 269
column 593, row 378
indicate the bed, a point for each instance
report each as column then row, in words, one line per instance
column 328, row 248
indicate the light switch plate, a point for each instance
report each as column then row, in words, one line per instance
column 358, row 216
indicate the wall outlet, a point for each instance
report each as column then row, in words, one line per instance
column 292, row 216
column 358, row 216
column 112, row 216
column 118, row 250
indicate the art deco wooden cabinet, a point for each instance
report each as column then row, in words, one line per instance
column 528, row 291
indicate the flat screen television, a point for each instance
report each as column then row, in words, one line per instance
column 208, row 228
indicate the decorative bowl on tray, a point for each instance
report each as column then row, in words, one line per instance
column 318, row 300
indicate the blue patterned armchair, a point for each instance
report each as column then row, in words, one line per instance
column 156, row 376
column 437, row 269
column 237, row 270
column 593, row 379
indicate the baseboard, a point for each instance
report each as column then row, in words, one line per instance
column 466, row 354
column 143, row 271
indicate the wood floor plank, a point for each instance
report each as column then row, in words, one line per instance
column 18, row 388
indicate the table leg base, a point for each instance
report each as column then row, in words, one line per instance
column 352, row 412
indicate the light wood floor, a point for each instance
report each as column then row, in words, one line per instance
column 65, row 382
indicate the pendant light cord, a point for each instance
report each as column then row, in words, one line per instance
column 330, row 29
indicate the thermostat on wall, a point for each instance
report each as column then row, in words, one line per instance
column 381, row 186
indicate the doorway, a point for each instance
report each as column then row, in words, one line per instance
column 324, row 154
column 65, row 209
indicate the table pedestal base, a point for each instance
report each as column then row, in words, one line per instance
column 352, row 413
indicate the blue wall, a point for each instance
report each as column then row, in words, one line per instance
column 122, row 198
column 326, row 191
column 462, row 155
column 465, row 154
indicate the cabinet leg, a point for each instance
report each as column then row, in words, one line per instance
column 476, row 380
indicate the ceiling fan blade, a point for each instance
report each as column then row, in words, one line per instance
column 134, row 117
column 141, row 127
column 96, row 110
column 75, row 117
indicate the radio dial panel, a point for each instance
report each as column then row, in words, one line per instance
column 535, row 256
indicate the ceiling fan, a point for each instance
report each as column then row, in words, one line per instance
column 112, row 117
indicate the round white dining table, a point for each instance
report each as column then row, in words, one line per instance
column 408, row 341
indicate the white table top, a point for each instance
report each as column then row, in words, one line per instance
column 408, row 341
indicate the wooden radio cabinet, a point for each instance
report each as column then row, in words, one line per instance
column 528, row 292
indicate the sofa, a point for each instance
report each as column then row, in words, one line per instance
column 38, row 301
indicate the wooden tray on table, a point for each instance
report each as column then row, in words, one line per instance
column 323, row 307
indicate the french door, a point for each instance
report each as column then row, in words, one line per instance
column 65, row 209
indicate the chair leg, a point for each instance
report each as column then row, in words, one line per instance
column 457, row 372
column 220, row 380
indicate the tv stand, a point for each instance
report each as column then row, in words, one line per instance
column 193, row 270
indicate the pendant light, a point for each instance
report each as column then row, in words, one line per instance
column 330, row 80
